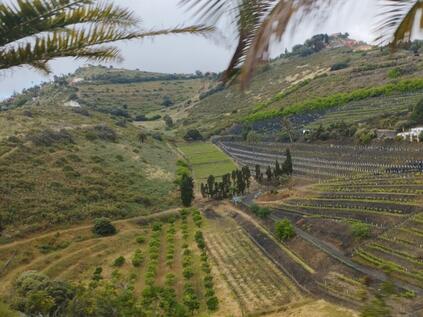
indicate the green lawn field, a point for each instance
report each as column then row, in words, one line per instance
column 207, row 159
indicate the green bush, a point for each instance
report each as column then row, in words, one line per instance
column 103, row 227
column 118, row 262
column 339, row 66
column 360, row 230
column 140, row 239
column 212, row 303
column 137, row 258
column 284, row 230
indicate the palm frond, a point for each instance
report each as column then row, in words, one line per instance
column 398, row 19
column 211, row 11
column 79, row 43
column 32, row 17
column 32, row 32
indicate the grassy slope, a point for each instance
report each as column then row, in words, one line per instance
column 66, row 182
column 291, row 81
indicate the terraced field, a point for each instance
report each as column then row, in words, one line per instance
column 258, row 285
column 323, row 162
column 206, row 159
column 360, row 111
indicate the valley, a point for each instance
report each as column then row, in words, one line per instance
column 302, row 199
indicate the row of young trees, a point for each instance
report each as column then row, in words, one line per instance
column 233, row 184
column 275, row 175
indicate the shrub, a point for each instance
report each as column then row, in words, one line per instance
column 140, row 239
column 338, row 66
column 193, row 135
column 105, row 133
column 138, row 258
column 394, row 73
column 157, row 226
column 118, row 262
column 284, row 230
column 360, row 230
column 50, row 137
column 212, row 303
column 104, row 227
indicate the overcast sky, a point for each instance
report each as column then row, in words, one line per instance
column 185, row 53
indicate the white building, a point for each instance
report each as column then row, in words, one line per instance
column 413, row 134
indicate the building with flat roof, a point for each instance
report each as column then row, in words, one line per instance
column 413, row 134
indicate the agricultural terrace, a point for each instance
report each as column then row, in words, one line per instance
column 323, row 162
column 207, row 159
column 163, row 250
column 256, row 283
column 369, row 222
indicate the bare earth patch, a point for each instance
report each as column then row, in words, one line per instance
column 154, row 172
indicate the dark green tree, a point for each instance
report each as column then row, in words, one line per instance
column 187, row 190
column 287, row 165
column 210, row 183
column 103, row 227
column 278, row 170
column 269, row 174
column 258, row 172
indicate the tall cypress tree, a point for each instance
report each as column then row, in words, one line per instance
column 210, row 183
column 187, row 190
column 258, row 172
column 278, row 171
column 288, row 163
column 269, row 173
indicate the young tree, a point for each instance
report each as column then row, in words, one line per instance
column 187, row 190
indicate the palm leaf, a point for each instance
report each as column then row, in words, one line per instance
column 32, row 17
column 32, row 32
column 78, row 43
column 398, row 19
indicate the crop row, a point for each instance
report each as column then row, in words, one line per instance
column 259, row 286
column 376, row 218
column 385, row 155
column 389, row 207
column 369, row 196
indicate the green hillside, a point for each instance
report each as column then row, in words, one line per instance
column 326, row 87
column 63, row 165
